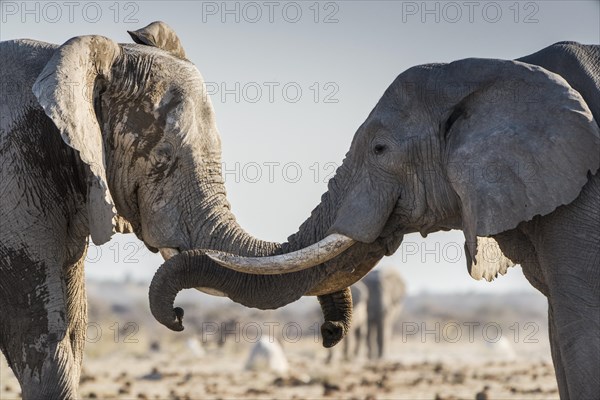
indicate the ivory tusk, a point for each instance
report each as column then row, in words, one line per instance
column 308, row 257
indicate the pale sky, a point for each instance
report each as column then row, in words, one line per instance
column 292, row 81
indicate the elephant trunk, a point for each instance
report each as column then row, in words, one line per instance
column 216, row 228
column 192, row 269
column 212, row 224
column 337, row 312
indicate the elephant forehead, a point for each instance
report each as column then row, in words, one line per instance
column 155, row 65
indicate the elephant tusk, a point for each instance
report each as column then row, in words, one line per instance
column 168, row 252
column 308, row 257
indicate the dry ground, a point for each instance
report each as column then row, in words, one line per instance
column 144, row 360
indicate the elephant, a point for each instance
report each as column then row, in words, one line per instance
column 357, row 326
column 97, row 137
column 376, row 304
column 505, row 150
column 386, row 294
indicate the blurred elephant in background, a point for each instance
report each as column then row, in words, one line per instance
column 97, row 137
column 506, row 151
column 376, row 304
column 386, row 295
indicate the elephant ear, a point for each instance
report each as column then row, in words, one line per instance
column 523, row 143
column 66, row 89
column 158, row 34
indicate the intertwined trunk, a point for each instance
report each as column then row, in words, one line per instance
column 215, row 227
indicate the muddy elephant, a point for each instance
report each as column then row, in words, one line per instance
column 506, row 151
column 95, row 137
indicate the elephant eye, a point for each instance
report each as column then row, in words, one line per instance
column 379, row 149
column 162, row 157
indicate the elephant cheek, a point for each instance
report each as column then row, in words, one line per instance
column 392, row 244
column 158, row 224
column 364, row 213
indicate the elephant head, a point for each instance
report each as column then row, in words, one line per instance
column 144, row 127
column 479, row 145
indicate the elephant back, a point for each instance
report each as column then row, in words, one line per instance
column 578, row 64
column 21, row 61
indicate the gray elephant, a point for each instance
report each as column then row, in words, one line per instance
column 376, row 304
column 506, row 151
column 386, row 295
column 95, row 137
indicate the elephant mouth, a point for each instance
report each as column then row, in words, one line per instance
column 152, row 249
column 392, row 243
column 138, row 232
column 393, row 232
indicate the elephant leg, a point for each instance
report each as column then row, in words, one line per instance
column 347, row 341
column 556, row 358
column 380, row 327
column 329, row 356
column 43, row 324
column 567, row 243
column 575, row 344
column 370, row 339
column 358, row 337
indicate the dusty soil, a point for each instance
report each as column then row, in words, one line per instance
column 129, row 356
column 458, row 371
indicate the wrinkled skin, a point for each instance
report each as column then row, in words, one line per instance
column 506, row 151
column 337, row 312
column 356, row 326
column 90, row 129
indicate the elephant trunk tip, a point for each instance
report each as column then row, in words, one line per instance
column 332, row 332
column 163, row 291
column 177, row 324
